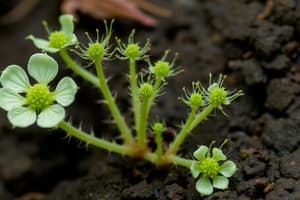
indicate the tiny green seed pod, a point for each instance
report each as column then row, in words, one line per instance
column 162, row 69
column 146, row 90
column 58, row 39
column 218, row 96
column 132, row 51
column 195, row 100
column 95, row 51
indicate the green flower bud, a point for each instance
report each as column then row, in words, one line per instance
column 195, row 100
column 162, row 69
column 146, row 90
column 158, row 128
column 132, row 51
column 38, row 97
column 95, row 51
column 58, row 39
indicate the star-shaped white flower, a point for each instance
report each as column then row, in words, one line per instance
column 28, row 103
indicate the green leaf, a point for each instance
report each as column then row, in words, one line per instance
column 10, row 99
column 42, row 68
column 204, row 186
column 220, row 182
column 15, row 78
column 201, row 152
column 67, row 24
column 218, row 154
column 65, row 91
column 42, row 44
column 194, row 170
column 228, row 168
column 51, row 116
column 21, row 116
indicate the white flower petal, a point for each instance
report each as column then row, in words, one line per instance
column 220, row 182
column 21, row 116
column 65, row 91
column 51, row 116
column 15, row 78
column 218, row 154
column 42, row 44
column 204, row 186
column 200, row 153
column 212, row 86
column 42, row 68
column 10, row 99
column 194, row 170
column 228, row 168
column 67, row 24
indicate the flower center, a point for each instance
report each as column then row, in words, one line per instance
column 161, row 68
column 95, row 51
column 57, row 39
column 218, row 96
column 132, row 51
column 209, row 167
column 38, row 97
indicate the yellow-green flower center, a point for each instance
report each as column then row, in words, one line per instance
column 57, row 39
column 39, row 97
column 218, row 96
column 95, row 51
column 146, row 90
column 195, row 100
column 132, row 51
column 161, row 68
column 209, row 167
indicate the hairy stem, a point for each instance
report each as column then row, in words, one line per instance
column 89, row 139
column 77, row 69
column 179, row 139
column 141, row 134
column 134, row 92
column 118, row 118
column 201, row 116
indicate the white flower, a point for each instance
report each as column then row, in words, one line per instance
column 28, row 103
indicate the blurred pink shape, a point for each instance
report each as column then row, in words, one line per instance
column 109, row 9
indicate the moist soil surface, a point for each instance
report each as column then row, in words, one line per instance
column 256, row 43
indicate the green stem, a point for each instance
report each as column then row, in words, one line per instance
column 179, row 139
column 141, row 134
column 134, row 92
column 201, row 116
column 159, row 149
column 155, row 91
column 77, row 69
column 89, row 139
column 118, row 119
column 180, row 161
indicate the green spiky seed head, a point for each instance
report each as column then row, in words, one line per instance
column 195, row 100
column 57, row 39
column 95, row 51
column 158, row 128
column 146, row 90
column 39, row 97
column 209, row 167
column 132, row 51
column 218, row 96
column 161, row 69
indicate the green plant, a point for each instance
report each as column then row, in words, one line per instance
column 25, row 102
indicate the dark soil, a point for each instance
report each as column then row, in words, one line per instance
column 259, row 54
